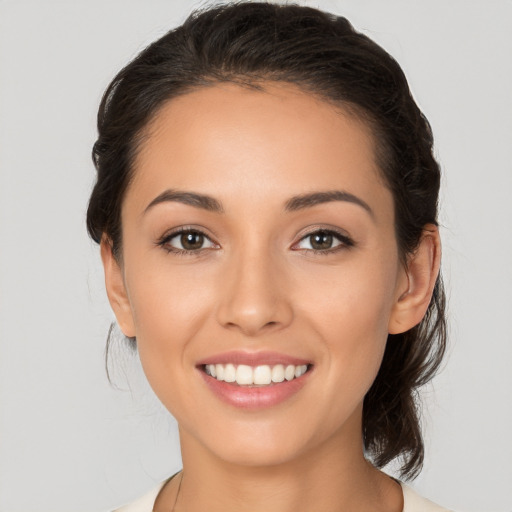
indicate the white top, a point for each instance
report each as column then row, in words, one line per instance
column 412, row 502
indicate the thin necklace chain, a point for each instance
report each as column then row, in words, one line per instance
column 178, row 493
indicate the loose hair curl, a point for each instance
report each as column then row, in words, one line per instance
column 251, row 43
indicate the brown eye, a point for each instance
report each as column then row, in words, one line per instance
column 186, row 241
column 192, row 240
column 321, row 241
column 324, row 241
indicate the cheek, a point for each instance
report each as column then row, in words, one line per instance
column 168, row 309
column 173, row 304
column 351, row 313
column 166, row 300
column 356, row 298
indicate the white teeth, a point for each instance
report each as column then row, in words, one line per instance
column 289, row 373
column 300, row 370
column 229, row 373
column 244, row 375
column 262, row 375
column 278, row 373
column 219, row 370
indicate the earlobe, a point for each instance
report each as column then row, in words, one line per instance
column 421, row 272
column 116, row 289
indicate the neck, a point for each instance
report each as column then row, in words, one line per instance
column 331, row 477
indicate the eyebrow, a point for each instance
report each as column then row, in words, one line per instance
column 315, row 198
column 293, row 204
column 191, row 198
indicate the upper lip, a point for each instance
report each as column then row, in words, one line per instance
column 237, row 357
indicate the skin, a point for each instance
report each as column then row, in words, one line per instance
column 257, row 285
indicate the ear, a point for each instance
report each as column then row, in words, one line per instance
column 421, row 274
column 116, row 289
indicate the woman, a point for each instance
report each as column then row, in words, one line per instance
column 266, row 208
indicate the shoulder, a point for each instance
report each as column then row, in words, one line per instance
column 144, row 503
column 413, row 502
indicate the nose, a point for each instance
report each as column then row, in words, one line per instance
column 254, row 297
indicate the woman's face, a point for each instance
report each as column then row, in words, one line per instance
column 258, row 233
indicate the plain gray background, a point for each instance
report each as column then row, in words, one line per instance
column 69, row 441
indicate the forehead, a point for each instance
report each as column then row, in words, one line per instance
column 232, row 141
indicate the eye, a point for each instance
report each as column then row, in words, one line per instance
column 324, row 240
column 186, row 241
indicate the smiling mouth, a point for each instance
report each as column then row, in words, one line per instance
column 255, row 376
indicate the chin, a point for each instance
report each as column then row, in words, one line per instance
column 260, row 454
column 262, row 443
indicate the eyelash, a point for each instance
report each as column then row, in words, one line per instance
column 345, row 242
column 164, row 241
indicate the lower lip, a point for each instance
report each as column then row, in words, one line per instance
column 246, row 397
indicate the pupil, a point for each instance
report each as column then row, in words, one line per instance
column 321, row 240
column 191, row 241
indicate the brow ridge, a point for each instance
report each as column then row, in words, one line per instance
column 191, row 198
column 293, row 204
column 309, row 200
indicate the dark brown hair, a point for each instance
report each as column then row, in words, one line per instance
column 253, row 43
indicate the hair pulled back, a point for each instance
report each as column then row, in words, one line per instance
column 252, row 43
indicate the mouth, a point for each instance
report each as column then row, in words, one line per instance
column 262, row 375
column 255, row 381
